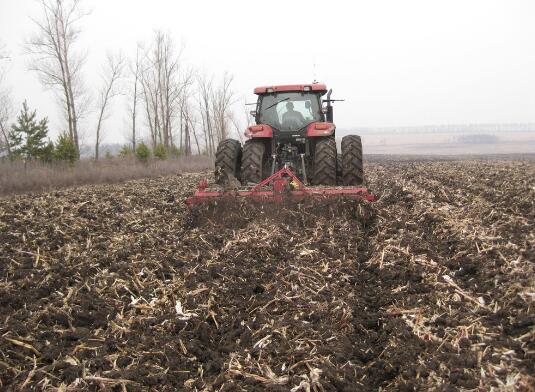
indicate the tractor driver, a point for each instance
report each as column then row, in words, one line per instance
column 292, row 116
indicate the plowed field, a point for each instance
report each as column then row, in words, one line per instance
column 121, row 287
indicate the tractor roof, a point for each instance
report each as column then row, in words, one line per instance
column 291, row 87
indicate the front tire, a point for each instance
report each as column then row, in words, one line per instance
column 352, row 165
column 325, row 162
column 227, row 160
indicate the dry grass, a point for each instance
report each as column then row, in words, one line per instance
column 16, row 177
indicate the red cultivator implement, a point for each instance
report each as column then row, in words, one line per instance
column 282, row 185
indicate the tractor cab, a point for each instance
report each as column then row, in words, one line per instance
column 289, row 111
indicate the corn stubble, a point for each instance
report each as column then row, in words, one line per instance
column 121, row 287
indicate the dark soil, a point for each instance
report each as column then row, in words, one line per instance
column 122, row 287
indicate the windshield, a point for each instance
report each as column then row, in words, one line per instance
column 290, row 111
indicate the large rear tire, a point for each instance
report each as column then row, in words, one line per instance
column 254, row 162
column 227, row 160
column 339, row 180
column 325, row 162
column 352, row 165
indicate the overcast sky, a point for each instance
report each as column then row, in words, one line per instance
column 411, row 62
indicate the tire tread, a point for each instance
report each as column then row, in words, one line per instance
column 227, row 160
column 352, row 163
column 253, row 161
column 325, row 162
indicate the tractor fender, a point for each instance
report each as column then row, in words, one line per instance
column 317, row 129
column 260, row 130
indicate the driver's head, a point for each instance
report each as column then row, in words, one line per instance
column 290, row 106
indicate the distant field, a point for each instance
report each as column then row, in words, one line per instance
column 449, row 143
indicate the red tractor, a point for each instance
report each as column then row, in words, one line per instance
column 292, row 145
column 295, row 130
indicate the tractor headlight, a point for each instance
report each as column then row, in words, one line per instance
column 256, row 128
column 307, row 88
column 322, row 126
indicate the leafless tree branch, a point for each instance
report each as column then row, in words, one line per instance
column 112, row 72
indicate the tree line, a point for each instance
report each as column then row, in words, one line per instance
column 172, row 107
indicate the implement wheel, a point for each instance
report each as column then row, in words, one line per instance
column 352, row 165
column 227, row 160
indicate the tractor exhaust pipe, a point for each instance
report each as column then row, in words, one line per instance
column 329, row 107
column 329, row 101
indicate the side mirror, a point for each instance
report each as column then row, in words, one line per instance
column 253, row 113
column 325, row 110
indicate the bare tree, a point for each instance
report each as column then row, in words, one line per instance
column 163, row 81
column 221, row 102
column 205, row 87
column 6, row 110
column 237, row 125
column 6, row 105
column 187, row 114
column 194, row 132
column 149, row 99
column 215, row 110
column 55, row 59
column 111, row 74
column 135, row 71
column 246, row 116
